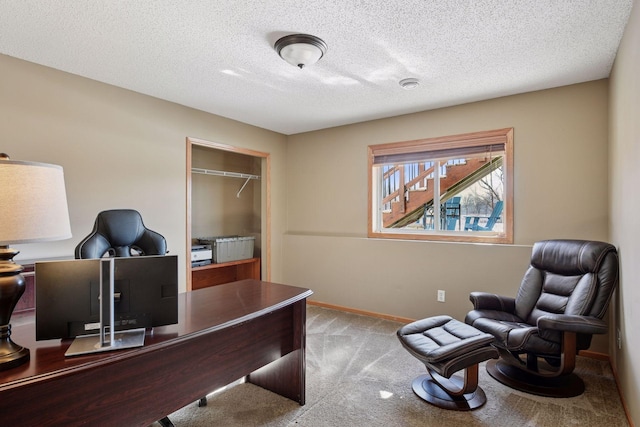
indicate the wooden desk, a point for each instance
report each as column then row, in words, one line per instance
column 247, row 328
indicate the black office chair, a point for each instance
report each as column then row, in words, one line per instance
column 121, row 233
column 560, row 304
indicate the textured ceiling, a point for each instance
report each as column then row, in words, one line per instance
column 218, row 56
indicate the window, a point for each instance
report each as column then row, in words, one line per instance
column 453, row 188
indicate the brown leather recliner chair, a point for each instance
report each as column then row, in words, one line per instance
column 560, row 304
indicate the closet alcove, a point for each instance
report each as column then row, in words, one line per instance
column 227, row 195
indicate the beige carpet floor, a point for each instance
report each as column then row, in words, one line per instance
column 358, row 374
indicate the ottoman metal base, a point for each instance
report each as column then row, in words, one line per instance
column 431, row 391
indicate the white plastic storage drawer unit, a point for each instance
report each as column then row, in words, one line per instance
column 229, row 248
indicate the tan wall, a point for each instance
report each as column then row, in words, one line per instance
column 217, row 207
column 625, row 206
column 560, row 151
column 119, row 149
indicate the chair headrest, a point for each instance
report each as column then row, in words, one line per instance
column 121, row 227
column 570, row 257
column 118, row 232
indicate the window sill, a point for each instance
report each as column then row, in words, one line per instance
column 469, row 237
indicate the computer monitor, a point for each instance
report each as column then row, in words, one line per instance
column 67, row 295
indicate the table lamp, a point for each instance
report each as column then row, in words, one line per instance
column 33, row 208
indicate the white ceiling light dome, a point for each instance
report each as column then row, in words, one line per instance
column 301, row 50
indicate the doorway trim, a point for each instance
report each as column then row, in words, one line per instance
column 265, row 265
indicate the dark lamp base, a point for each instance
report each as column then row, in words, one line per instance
column 11, row 354
column 11, row 289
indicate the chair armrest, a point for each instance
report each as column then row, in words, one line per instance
column 573, row 323
column 487, row 301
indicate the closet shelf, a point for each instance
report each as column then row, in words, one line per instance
column 246, row 176
column 224, row 173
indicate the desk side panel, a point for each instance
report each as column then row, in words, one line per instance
column 286, row 376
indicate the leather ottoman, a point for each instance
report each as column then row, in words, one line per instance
column 446, row 346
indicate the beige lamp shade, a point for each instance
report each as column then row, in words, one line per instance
column 33, row 203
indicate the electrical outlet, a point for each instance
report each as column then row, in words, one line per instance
column 440, row 296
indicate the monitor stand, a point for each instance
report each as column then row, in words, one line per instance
column 86, row 344
column 107, row 339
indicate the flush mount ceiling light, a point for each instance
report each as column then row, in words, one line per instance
column 300, row 50
column 409, row 84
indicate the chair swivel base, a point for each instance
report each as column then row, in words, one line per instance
column 430, row 391
column 569, row 385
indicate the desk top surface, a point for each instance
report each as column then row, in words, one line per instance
column 199, row 312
